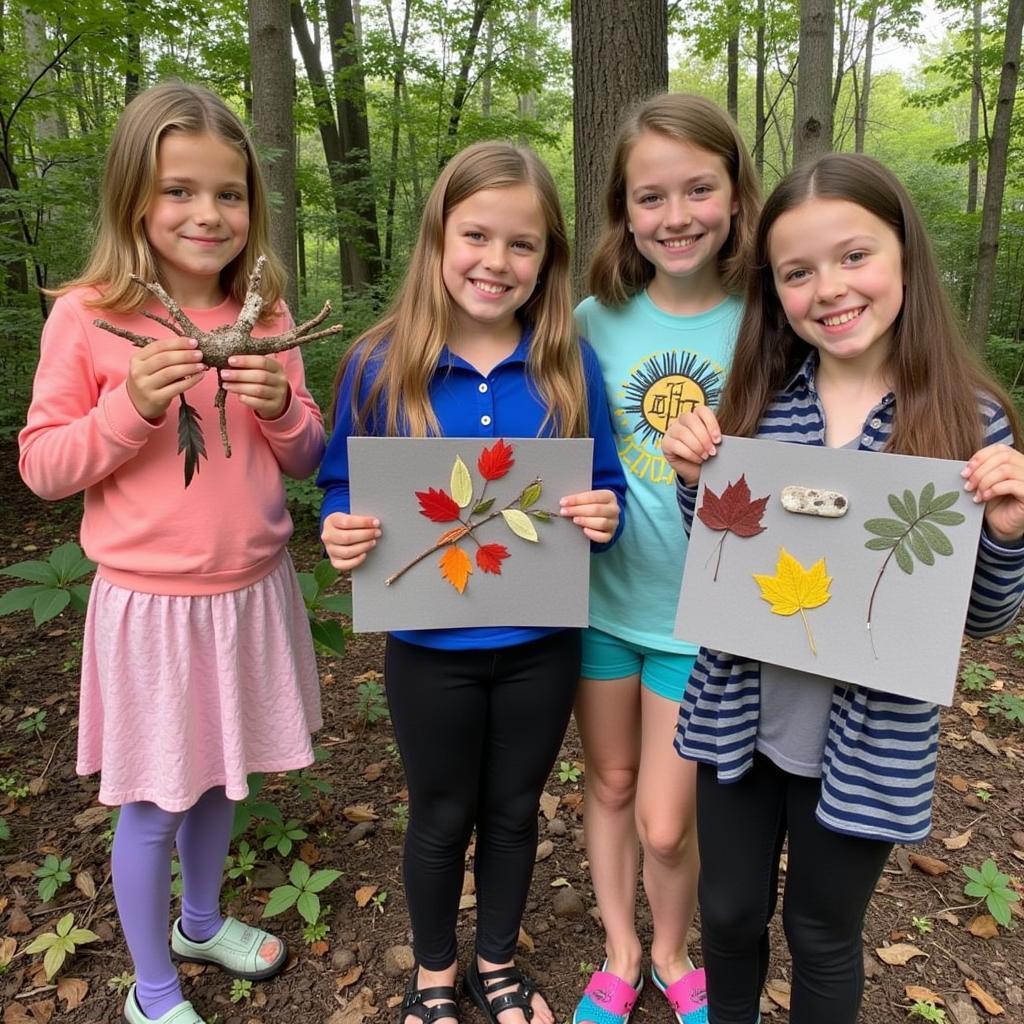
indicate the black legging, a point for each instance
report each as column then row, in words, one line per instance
column 829, row 880
column 478, row 732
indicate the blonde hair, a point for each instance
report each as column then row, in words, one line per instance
column 129, row 184
column 618, row 271
column 406, row 344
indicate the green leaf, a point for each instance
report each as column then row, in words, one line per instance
column 308, row 906
column 330, row 634
column 34, row 572
column 926, row 499
column 920, row 547
column 319, row 880
column 544, row 517
column 80, row 936
column 190, row 438
column 49, row 605
column 946, row 518
column 325, row 574
column 47, row 889
column 910, row 503
column 886, row 527
column 54, row 959
column 881, row 543
column 900, row 509
column 340, row 604
column 80, row 596
column 531, row 495
column 281, row 898
column 20, row 599
column 943, row 501
column 936, row 539
column 69, row 563
column 998, row 907
column 519, row 523
column 299, row 874
column 309, row 587
column 41, row 942
column 65, row 924
column 462, row 483
column 903, row 559
column 482, row 507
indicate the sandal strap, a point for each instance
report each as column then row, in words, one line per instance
column 520, row 996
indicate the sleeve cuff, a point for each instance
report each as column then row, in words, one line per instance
column 125, row 421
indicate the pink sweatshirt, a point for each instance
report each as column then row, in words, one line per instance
column 229, row 528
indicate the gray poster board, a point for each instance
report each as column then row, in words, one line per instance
column 542, row 583
column 917, row 619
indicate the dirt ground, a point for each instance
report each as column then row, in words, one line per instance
column 356, row 972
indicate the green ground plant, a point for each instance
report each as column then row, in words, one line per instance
column 302, row 892
column 975, row 677
column 1008, row 708
column 371, row 703
column 568, row 772
column 328, row 633
column 53, row 873
column 281, row 835
column 241, row 990
column 52, row 585
column 60, row 944
column 927, row 1010
column 34, row 725
column 991, row 885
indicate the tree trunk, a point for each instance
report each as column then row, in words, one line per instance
column 480, row 8
column 972, row 163
column 995, row 178
column 133, row 53
column 760, row 125
column 860, row 129
column 350, row 99
column 732, row 61
column 619, row 56
column 812, row 128
column 396, row 125
column 528, row 100
column 486, row 77
column 273, row 98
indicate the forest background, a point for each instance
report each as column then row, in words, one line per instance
column 356, row 104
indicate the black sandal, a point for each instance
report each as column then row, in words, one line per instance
column 414, row 1001
column 482, row 985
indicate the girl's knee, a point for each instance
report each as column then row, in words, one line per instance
column 612, row 789
column 814, row 939
column 729, row 921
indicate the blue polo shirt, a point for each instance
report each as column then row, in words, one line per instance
column 467, row 403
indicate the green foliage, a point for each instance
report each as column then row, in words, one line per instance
column 923, row 925
column 308, row 784
column 371, row 704
column 243, row 864
column 13, row 786
column 1015, row 641
column 927, row 1010
column 1008, row 707
column 280, row 836
column 301, row 892
column 568, row 772
column 34, row 725
column 329, row 634
column 252, row 808
column 377, row 901
column 241, row 989
column 990, row 884
column 52, row 874
column 60, row 944
column 5, row 831
column 318, row 930
column 52, row 586
column 120, row 983
column 975, row 676
column 400, row 818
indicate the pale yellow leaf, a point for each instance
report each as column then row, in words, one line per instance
column 360, row 812
column 456, row 567
column 548, row 805
column 85, row 885
column 794, row 588
column 899, row 953
column 958, row 842
column 520, row 524
column 7, row 949
column 462, row 483
column 364, row 894
column 921, row 994
column 72, row 991
column 467, row 902
column 778, row 991
column 984, row 1000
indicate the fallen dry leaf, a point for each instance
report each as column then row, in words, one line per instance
column 985, row 742
column 544, row 850
column 91, row 817
column 899, row 954
column 984, row 927
column 18, row 922
column 7, row 949
column 526, row 940
column 1017, row 838
column 350, row 977
column 191, row 970
column 929, row 865
column 358, row 1008
column 984, row 1000
column 778, row 991
column 467, row 902
column 948, row 916
column 394, row 1001
column 320, row 948
column 959, row 783
column 85, row 885
column 572, row 801
column 925, row 995
column 372, row 772
column 548, row 805
column 970, row 707
column 72, row 992
column 360, row 812
column 310, row 854
column 468, row 883
column 20, row 869
column 364, row 894
column 560, row 883
column 958, row 842
column 15, row 1013
column 42, row 1010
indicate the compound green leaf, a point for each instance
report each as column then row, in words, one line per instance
column 881, row 543
column 937, row 540
column 903, row 559
column 886, row 527
column 900, row 509
column 946, row 518
column 920, row 547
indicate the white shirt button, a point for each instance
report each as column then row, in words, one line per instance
column 483, row 388
column 876, row 423
column 866, row 439
column 485, row 420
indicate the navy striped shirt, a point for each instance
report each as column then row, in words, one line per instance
column 878, row 768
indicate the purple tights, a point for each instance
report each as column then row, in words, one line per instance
column 141, row 868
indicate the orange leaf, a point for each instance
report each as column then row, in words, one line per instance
column 364, row 894
column 452, row 535
column 987, row 1003
column 929, row 865
column 456, row 567
column 924, row 995
column 983, row 927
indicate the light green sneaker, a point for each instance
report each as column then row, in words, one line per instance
column 241, row 950
column 183, row 1013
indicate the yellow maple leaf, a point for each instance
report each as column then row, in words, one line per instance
column 456, row 567
column 794, row 589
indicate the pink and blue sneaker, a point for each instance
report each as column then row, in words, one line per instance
column 607, row 999
column 687, row 996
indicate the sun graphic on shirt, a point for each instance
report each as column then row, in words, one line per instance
column 666, row 385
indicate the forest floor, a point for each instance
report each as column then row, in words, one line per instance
column 921, row 930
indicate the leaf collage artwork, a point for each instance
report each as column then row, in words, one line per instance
column 733, row 511
column 440, row 506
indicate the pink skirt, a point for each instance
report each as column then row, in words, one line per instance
column 180, row 694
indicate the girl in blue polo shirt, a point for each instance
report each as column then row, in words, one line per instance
column 848, row 341
column 479, row 342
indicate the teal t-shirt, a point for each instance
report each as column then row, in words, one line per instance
column 655, row 366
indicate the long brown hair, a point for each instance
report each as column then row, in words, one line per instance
column 129, row 184
column 406, row 344
column 933, row 373
column 618, row 271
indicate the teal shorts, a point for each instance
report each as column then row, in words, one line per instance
column 610, row 657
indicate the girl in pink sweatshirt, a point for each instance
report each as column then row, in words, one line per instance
column 197, row 663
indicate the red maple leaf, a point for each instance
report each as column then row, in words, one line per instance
column 732, row 511
column 437, row 506
column 489, row 557
column 496, row 461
